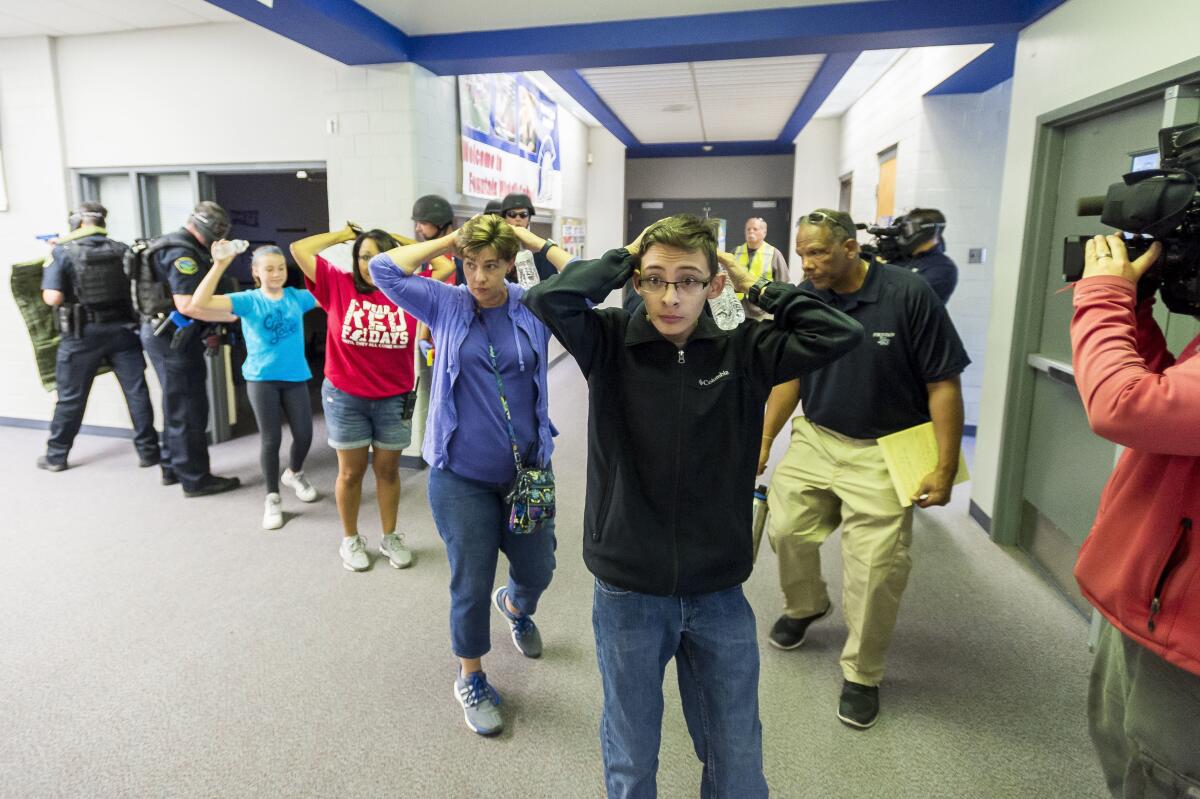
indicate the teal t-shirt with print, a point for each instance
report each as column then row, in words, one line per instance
column 274, row 332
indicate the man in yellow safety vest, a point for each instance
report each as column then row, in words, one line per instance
column 761, row 259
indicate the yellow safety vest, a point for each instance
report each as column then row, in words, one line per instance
column 764, row 257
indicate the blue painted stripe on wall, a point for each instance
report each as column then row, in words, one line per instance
column 827, row 77
column 696, row 149
column 991, row 68
column 341, row 29
column 574, row 84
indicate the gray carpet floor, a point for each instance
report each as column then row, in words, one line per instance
column 157, row 646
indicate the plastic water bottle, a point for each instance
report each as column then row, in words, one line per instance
column 760, row 516
column 228, row 249
column 527, row 274
column 726, row 308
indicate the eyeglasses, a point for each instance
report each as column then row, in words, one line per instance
column 689, row 286
column 516, row 214
column 820, row 217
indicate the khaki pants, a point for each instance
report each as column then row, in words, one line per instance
column 825, row 480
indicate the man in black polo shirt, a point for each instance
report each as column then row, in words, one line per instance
column 924, row 251
column 905, row 373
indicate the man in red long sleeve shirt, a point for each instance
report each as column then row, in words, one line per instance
column 1140, row 566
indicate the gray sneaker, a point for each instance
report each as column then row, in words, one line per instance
column 525, row 635
column 480, row 703
column 354, row 554
column 392, row 547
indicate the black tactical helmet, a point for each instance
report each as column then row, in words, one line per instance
column 433, row 209
column 88, row 212
column 493, row 207
column 516, row 201
column 211, row 220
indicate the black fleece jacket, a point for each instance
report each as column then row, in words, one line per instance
column 673, row 434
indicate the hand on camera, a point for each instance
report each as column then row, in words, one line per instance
column 1106, row 255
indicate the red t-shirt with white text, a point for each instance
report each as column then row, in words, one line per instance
column 370, row 341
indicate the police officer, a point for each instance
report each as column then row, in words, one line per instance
column 492, row 207
column 433, row 218
column 517, row 210
column 85, row 281
column 923, row 251
column 180, row 260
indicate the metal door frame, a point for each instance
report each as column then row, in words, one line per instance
column 1038, row 244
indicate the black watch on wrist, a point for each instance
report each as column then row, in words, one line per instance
column 546, row 247
column 757, row 289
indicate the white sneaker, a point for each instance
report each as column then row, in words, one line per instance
column 273, row 513
column 299, row 483
column 392, row 547
column 354, row 553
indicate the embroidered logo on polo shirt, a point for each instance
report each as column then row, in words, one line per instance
column 883, row 339
column 718, row 376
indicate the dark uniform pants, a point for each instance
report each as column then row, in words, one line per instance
column 183, row 376
column 76, row 365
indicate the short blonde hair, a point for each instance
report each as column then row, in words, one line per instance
column 487, row 231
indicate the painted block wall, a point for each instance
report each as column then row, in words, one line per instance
column 1080, row 49
column 765, row 176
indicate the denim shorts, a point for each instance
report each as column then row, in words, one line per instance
column 354, row 422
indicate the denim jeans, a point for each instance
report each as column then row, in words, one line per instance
column 712, row 639
column 472, row 519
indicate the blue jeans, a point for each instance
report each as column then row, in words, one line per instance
column 712, row 639
column 472, row 519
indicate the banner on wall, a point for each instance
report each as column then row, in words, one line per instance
column 509, row 139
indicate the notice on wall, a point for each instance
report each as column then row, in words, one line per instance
column 509, row 139
column 573, row 235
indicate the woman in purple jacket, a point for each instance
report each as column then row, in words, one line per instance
column 478, row 329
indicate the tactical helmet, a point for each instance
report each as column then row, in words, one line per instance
column 433, row 209
column 493, row 207
column 211, row 220
column 90, row 212
column 516, row 201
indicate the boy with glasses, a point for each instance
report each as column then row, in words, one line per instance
column 676, row 408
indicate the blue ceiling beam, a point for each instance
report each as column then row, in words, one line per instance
column 989, row 69
column 719, row 148
column 341, row 29
column 832, row 69
column 574, row 84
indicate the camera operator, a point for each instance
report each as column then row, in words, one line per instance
column 1140, row 565
column 924, row 252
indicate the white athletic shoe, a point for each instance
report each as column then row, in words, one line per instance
column 392, row 547
column 299, row 483
column 354, row 553
column 272, row 513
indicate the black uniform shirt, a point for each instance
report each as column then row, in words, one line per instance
column 937, row 270
column 183, row 268
column 880, row 387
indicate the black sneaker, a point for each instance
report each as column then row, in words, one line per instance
column 788, row 633
column 859, row 705
column 168, row 477
column 212, row 485
column 51, row 466
column 146, row 461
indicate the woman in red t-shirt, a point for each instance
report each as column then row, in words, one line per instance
column 368, row 394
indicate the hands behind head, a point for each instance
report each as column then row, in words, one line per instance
column 351, row 231
column 1106, row 255
column 635, row 246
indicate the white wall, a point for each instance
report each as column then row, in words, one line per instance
column 765, row 176
column 815, row 181
column 605, row 194
column 1080, row 49
column 33, row 164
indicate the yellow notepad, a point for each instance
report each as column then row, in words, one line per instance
column 910, row 455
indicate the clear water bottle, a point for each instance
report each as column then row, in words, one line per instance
column 228, row 249
column 760, row 516
column 527, row 274
column 726, row 308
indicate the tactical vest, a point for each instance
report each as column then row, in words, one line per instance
column 761, row 266
column 98, row 279
column 151, row 292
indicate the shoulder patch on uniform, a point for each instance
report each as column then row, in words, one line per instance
column 186, row 266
